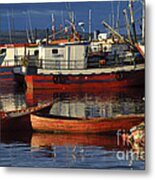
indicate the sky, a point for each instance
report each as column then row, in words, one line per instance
column 38, row 15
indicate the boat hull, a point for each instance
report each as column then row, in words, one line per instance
column 19, row 120
column 77, row 125
column 86, row 81
column 7, row 77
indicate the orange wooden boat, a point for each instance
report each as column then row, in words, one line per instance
column 52, row 123
column 19, row 120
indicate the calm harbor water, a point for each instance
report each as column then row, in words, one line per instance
column 108, row 151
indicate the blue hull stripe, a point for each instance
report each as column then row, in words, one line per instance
column 7, row 76
column 6, row 69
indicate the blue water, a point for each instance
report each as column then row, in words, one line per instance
column 108, row 151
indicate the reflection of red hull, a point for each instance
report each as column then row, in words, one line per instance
column 87, row 82
column 53, row 123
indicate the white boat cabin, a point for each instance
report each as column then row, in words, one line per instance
column 14, row 55
column 64, row 56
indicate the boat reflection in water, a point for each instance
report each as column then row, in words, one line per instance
column 74, row 150
column 91, row 104
column 71, row 151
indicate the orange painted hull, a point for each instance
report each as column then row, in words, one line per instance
column 82, row 125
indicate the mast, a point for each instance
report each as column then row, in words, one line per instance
column 117, row 19
column 9, row 27
column 53, row 26
column 30, row 25
column 47, row 36
column 132, row 21
column 143, row 22
column 62, row 18
column 0, row 22
column 117, row 34
column 27, row 32
column 90, row 20
column 112, row 8
column 13, row 26
column 127, row 25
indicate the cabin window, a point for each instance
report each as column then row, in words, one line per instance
column 36, row 53
column 2, row 51
column 54, row 51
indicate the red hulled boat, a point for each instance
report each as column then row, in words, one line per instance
column 89, row 79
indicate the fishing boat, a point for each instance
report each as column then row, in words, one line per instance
column 66, row 66
column 19, row 120
column 13, row 59
column 52, row 123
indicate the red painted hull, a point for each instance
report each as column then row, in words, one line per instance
column 82, row 125
column 19, row 120
column 91, row 82
column 7, row 78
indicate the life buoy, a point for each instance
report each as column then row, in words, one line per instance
column 119, row 76
column 56, row 79
column 102, row 62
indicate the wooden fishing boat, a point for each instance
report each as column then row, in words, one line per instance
column 19, row 120
column 52, row 123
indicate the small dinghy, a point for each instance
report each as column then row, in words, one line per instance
column 52, row 123
column 20, row 119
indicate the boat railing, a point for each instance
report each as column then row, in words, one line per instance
column 60, row 64
column 57, row 64
column 12, row 62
